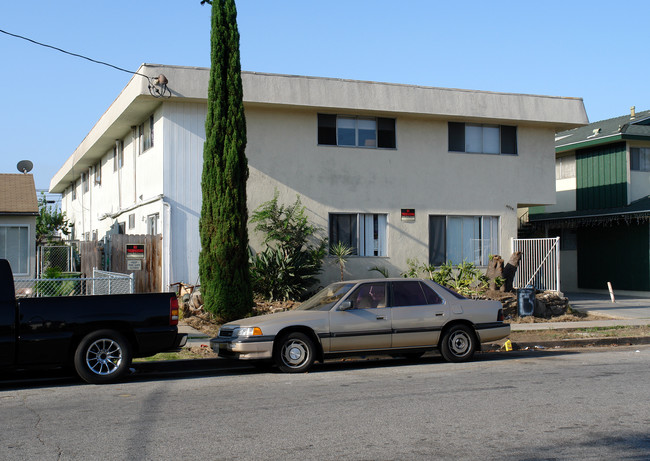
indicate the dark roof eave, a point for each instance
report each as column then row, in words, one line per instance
column 18, row 213
column 599, row 141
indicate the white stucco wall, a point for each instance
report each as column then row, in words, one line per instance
column 283, row 153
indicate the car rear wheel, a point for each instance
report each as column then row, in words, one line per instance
column 458, row 344
column 102, row 357
column 294, row 353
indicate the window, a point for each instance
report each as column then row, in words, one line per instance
column 340, row 130
column 74, row 191
column 483, row 139
column 640, row 159
column 152, row 224
column 565, row 167
column 463, row 238
column 145, row 135
column 98, row 173
column 365, row 234
column 118, row 155
column 84, row 182
column 369, row 296
column 131, row 220
column 14, row 246
column 121, row 228
column 408, row 294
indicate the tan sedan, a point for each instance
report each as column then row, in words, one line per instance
column 404, row 317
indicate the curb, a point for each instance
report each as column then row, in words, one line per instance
column 569, row 343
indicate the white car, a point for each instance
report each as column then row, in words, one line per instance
column 404, row 317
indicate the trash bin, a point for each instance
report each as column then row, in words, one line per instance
column 526, row 301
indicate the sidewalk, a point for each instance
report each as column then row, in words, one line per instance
column 194, row 337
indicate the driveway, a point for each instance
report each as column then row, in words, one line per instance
column 625, row 307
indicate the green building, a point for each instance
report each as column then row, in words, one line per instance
column 602, row 211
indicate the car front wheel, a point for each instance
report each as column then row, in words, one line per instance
column 294, row 353
column 458, row 344
column 102, row 357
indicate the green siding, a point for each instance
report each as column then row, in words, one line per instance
column 601, row 175
column 618, row 254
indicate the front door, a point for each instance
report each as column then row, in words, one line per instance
column 366, row 325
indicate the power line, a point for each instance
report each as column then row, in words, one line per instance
column 152, row 81
column 71, row 54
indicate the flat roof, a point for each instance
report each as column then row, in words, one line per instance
column 190, row 84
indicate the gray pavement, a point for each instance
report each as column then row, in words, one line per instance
column 625, row 307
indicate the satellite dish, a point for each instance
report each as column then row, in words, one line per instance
column 25, row 166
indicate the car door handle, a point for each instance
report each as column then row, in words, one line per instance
column 381, row 317
column 440, row 314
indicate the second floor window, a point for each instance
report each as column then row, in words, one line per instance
column 145, row 135
column 640, row 158
column 344, row 130
column 118, row 155
column 482, row 139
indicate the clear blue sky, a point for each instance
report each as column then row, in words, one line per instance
column 596, row 50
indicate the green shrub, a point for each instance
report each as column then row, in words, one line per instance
column 293, row 256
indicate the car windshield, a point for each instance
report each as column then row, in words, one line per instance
column 326, row 298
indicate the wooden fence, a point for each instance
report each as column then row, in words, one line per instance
column 113, row 258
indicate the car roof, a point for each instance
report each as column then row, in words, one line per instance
column 383, row 279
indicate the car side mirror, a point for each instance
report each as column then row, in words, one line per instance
column 345, row 305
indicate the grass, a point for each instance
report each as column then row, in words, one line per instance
column 187, row 353
column 580, row 333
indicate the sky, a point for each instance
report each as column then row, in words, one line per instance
column 49, row 101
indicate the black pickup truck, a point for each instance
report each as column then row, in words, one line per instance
column 98, row 335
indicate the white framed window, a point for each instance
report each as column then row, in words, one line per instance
column 463, row 238
column 118, row 155
column 131, row 220
column 14, row 247
column 352, row 131
column 84, row 182
column 152, row 224
column 482, row 139
column 98, row 173
column 364, row 233
column 74, row 190
column 145, row 135
column 565, row 167
column 640, row 158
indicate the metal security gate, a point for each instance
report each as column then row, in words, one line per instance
column 540, row 263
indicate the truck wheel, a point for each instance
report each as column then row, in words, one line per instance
column 458, row 344
column 103, row 356
column 294, row 353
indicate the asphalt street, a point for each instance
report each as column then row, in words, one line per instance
column 568, row 404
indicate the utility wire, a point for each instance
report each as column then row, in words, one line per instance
column 71, row 54
column 156, row 92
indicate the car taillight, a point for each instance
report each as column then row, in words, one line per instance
column 173, row 310
column 500, row 315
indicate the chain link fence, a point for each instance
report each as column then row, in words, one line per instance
column 74, row 285
column 62, row 258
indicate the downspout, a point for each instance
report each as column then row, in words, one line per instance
column 166, row 243
column 135, row 159
column 119, row 152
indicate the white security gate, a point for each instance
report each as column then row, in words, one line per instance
column 540, row 263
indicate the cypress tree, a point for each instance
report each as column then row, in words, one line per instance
column 223, row 262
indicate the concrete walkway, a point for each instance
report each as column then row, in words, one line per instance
column 625, row 307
